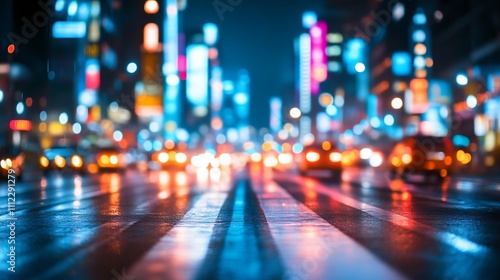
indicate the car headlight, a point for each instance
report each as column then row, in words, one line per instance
column 113, row 159
column 163, row 157
column 76, row 161
column 335, row 157
column 312, row 156
column 104, row 159
column 6, row 163
column 60, row 161
column 44, row 162
column 180, row 157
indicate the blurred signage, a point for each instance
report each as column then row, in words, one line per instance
column 319, row 70
column 69, row 29
column 197, row 77
column 480, row 125
column 275, row 121
column 92, row 74
column 401, row 63
column 440, row 92
column 149, row 92
column 417, row 100
column 353, row 54
column 20, row 125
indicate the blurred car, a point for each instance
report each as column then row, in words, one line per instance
column 11, row 159
column 363, row 157
column 61, row 158
column 173, row 156
column 425, row 155
column 110, row 158
column 321, row 156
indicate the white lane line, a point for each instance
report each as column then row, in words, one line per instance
column 459, row 243
column 179, row 254
column 310, row 247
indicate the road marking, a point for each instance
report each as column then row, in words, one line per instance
column 310, row 247
column 459, row 243
column 184, row 247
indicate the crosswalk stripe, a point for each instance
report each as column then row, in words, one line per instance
column 459, row 243
column 184, row 247
column 310, row 247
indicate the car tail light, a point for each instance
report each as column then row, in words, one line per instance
column 312, row 156
column 336, row 157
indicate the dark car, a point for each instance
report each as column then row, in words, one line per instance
column 420, row 154
column 321, row 156
column 110, row 158
column 61, row 158
column 11, row 158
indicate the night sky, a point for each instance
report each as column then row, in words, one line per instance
column 257, row 35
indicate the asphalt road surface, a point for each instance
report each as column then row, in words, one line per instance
column 252, row 223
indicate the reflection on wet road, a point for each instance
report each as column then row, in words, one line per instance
column 253, row 223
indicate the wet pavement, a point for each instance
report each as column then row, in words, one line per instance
column 252, row 223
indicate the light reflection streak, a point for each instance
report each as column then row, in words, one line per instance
column 181, row 184
column 43, row 186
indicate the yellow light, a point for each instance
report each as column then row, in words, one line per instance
column 113, row 159
column 181, row 157
column 335, row 157
column 312, row 156
column 60, row 161
column 44, row 161
column 3, row 164
column 326, row 145
column 467, row 158
column 163, row 157
column 406, row 158
column 267, row 146
column 460, row 155
column 104, row 159
column 151, row 7
column 395, row 162
column 256, row 157
column 76, row 161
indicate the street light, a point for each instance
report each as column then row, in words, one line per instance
column 462, row 79
column 397, row 103
column 131, row 68
column 295, row 113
